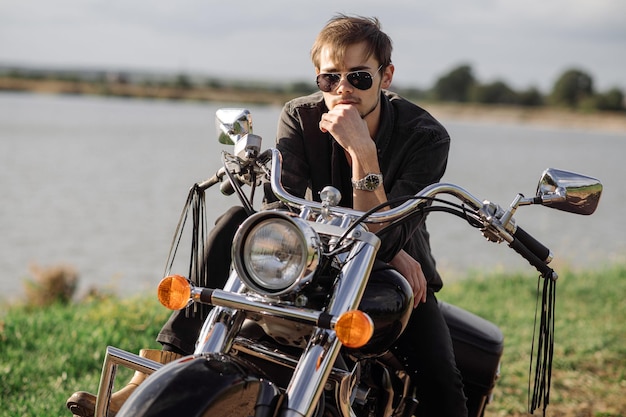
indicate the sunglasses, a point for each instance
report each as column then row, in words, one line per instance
column 361, row 80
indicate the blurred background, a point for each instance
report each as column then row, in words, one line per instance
column 526, row 44
column 95, row 180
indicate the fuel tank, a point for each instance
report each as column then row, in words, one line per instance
column 205, row 385
column 388, row 300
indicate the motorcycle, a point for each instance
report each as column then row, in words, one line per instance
column 304, row 325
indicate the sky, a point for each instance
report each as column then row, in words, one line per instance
column 526, row 43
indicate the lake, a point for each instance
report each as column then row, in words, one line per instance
column 99, row 184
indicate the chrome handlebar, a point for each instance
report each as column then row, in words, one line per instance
column 379, row 217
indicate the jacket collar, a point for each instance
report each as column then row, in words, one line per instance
column 387, row 116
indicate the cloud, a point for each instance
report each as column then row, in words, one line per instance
column 524, row 43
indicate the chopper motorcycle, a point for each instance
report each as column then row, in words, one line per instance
column 304, row 325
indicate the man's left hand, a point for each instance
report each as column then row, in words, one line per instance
column 412, row 272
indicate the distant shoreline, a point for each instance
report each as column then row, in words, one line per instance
column 612, row 122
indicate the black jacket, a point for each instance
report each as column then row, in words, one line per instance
column 412, row 153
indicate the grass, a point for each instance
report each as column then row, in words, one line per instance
column 46, row 353
column 589, row 369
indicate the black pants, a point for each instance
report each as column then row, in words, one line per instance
column 425, row 347
column 182, row 329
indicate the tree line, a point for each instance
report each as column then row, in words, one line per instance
column 574, row 88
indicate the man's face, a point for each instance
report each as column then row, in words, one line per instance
column 345, row 93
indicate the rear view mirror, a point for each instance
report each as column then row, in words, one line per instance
column 567, row 191
column 232, row 125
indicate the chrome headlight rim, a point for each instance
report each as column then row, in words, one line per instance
column 308, row 241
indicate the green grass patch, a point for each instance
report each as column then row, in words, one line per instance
column 46, row 353
column 589, row 369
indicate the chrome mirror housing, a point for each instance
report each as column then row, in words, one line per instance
column 567, row 191
column 232, row 125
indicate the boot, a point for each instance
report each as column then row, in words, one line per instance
column 83, row 404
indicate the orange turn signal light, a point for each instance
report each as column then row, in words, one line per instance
column 354, row 329
column 174, row 292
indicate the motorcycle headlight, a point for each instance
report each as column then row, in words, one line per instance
column 274, row 253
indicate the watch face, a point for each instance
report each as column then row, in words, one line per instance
column 372, row 182
column 369, row 183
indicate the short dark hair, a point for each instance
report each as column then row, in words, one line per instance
column 343, row 31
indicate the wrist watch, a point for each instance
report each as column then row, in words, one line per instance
column 370, row 182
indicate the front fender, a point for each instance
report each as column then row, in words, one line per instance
column 208, row 385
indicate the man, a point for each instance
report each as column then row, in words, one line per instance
column 373, row 146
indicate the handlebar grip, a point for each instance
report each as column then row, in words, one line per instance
column 532, row 244
column 533, row 259
column 210, row 182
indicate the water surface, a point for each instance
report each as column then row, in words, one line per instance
column 99, row 183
